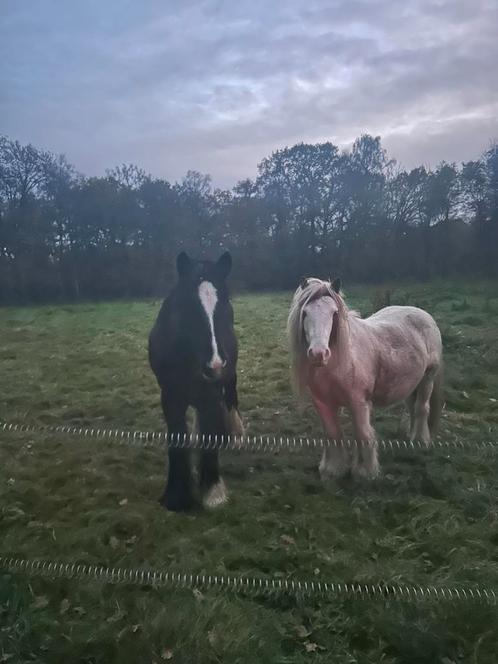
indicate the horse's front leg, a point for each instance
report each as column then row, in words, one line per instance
column 178, row 494
column 365, row 459
column 336, row 459
column 211, row 417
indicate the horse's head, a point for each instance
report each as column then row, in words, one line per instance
column 318, row 315
column 207, row 312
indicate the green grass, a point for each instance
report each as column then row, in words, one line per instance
column 431, row 518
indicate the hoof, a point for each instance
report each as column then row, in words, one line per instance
column 330, row 472
column 327, row 475
column 177, row 501
column 362, row 472
column 216, row 495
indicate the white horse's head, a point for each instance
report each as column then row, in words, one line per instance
column 318, row 315
column 318, row 329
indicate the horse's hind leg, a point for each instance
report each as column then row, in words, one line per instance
column 365, row 459
column 410, row 404
column 420, row 430
column 234, row 424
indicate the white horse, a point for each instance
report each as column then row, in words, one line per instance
column 394, row 355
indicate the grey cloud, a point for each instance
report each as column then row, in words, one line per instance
column 218, row 85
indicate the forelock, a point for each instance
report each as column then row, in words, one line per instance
column 314, row 289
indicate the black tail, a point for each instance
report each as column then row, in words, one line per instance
column 436, row 401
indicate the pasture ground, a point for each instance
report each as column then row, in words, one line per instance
column 430, row 518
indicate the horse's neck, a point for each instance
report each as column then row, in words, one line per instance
column 359, row 339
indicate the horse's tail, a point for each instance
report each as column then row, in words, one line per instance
column 437, row 400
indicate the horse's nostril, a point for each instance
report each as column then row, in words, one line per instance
column 320, row 356
column 214, row 369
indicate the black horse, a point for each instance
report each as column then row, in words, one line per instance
column 193, row 354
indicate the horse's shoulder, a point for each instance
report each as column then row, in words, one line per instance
column 165, row 328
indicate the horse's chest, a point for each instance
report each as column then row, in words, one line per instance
column 328, row 388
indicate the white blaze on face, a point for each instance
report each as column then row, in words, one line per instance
column 318, row 319
column 209, row 298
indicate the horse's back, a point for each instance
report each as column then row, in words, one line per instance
column 404, row 323
column 406, row 315
column 401, row 311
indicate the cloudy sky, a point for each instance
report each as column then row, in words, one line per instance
column 216, row 85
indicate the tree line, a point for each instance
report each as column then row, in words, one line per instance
column 311, row 210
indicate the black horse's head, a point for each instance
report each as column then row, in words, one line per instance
column 207, row 313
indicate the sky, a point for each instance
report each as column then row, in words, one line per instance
column 216, row 86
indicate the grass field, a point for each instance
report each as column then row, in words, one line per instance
column 430, row 518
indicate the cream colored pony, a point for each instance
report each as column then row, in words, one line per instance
column 394, row 355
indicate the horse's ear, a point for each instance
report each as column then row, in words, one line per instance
column 183, row 264
column 304, row 282
column 336, row 285
column 224, row 264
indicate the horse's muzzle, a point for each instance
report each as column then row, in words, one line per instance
column 319, row 357
column 214, row 370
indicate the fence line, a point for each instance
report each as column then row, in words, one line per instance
column 245, row 584
column 250, row 584
column 263, row 443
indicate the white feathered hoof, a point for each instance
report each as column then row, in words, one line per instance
column 366, row 471
column 334, row 465
column 216, row 495
column 329, row 472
